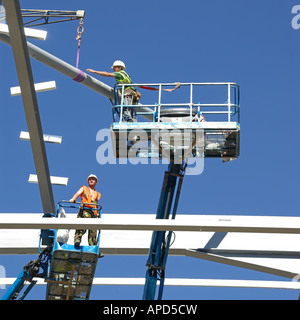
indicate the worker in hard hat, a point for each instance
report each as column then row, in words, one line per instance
column 131, row 96
column 88, row 195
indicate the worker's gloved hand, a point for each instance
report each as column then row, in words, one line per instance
column 72, row 200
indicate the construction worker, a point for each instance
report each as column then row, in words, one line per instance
column 88, row 195
column 131, row 96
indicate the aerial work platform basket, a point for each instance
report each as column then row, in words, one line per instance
column 197, row 120
column 72, row 269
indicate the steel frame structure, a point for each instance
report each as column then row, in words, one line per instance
column 23, row 66
column 160, row 244
column 265, row 244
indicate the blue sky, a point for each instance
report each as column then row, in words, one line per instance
column 251, row 43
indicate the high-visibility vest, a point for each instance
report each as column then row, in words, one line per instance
column 86, row 197
column 125, row 78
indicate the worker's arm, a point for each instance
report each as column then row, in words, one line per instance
column 77, row 194
column 102, row 73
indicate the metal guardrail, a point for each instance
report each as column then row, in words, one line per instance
column 231, row 106
column 78, row 205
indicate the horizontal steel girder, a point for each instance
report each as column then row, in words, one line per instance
column 287, row 225
column 274, row 253
column 184, row 283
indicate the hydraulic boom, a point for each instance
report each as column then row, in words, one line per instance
column 160, row 242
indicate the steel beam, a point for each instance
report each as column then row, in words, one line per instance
column 61, row 181
column 182, row 282
column 271, row 253
column 39, row 87
column 139, row 222
column 73, row 73
column 65, row 68
column 276, row 254
column 31, row 33
column 47, row 137
column 23, row 66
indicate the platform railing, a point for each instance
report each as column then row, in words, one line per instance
column 231, row 106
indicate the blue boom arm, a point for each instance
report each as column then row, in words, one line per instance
column 160, row 243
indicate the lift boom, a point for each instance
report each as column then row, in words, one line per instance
column 31, row 270
column 160, row 243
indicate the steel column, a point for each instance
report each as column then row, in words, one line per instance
column 23, row 66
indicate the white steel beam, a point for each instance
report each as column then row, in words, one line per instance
column 47, row 137
column 39, row 87
column 290, row 285
column 272, row 253
column 60, row 181
column 284, row 225
column 29, row 32
column 285, row 266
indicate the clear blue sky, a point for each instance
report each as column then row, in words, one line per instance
column 251, row 43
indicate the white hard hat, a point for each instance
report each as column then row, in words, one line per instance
column 119, row 63
column 92, row 176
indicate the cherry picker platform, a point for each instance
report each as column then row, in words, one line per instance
column 72, row 269
column 68, row 270
column 71, row 272
column 180, row 130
